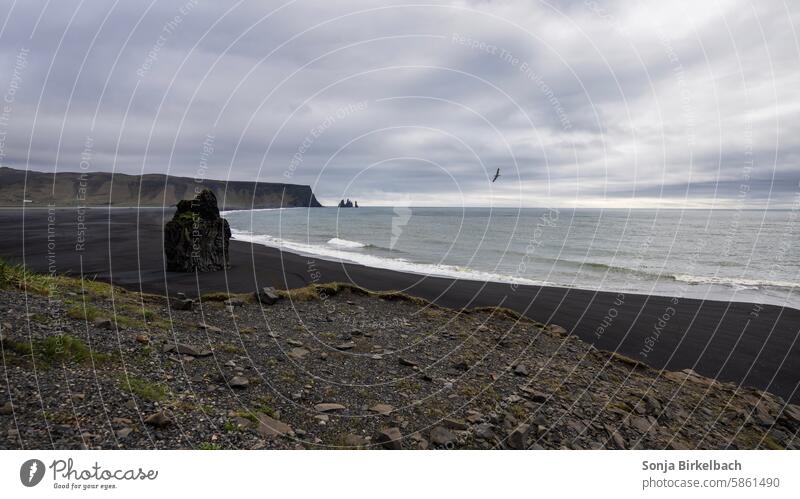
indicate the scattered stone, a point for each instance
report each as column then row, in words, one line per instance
column 441, row 436
column 454, row 424
column 406, row 362
column 382, row 409
column 791, row 413
column 533, row 395
column 294, row 343
column 267, row 296
column 103, row 323
column 158, row 419
column 124, row 432
column 485, row 431
column 209, row 328
column 558, row 330
column 329, row 407
column 390, row 438
column 144, row 339
column 521, row 370
column 619, row 442
column 6, row 409
column 474, row 417
column 184, row 349
column 234, row 302
column 238, row 382
column 348, row 345
column 298, row 353
column 356, row 441
column 271, row 427
column 518, row 439
column 641, row 424
column 182, row 304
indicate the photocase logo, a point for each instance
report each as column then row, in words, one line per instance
column 402, row 214
column 31, row 472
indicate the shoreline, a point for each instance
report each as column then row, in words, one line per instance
column 748, row 344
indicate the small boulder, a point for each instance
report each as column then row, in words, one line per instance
column 182, row 304
column 239, row 382
column 124, row 432
column 271, row 427
column 298, row 353
column 521, row 370
column 382, row 409
column 390, row 438
column 441, row 436
column 329, row 407
column 454, row 424
column 485, row 431
column 209, row 328
column 158, row 419
column 348, row 345
column 406, row 362
column 355, row 441
column 267, row 296
column 518, row 438
column 186, row 349
column 103, row 323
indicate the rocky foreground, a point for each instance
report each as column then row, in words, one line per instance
column 91, row 366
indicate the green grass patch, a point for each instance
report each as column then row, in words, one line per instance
column 18, row 277
column 57, row 348
column 144, row 389
column 64, row 348
column 17, row 347
column 209, row 446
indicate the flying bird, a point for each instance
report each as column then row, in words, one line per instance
column 496, row 175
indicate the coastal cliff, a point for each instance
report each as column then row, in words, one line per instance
column 150, row 190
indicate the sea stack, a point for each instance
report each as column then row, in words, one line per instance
column 347, row 204
column 197, row 237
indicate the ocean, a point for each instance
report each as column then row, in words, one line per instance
column 729, row 255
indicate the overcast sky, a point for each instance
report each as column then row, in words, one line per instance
column 579, row 103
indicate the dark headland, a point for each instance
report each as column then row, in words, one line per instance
column 18, row 187
column 515, row 383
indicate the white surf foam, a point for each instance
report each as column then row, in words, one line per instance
column 344, row 243
column 396, row 264
column 734, row 282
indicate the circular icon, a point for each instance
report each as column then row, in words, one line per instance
column 31, row 472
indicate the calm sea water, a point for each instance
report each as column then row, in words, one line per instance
column 719, row 255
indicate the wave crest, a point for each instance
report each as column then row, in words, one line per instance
column 344, row 243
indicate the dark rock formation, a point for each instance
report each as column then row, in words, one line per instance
column 347, row 204
column 197, row 237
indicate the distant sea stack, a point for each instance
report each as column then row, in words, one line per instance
column 348, row 204
column 151, row 190
column 197, row 238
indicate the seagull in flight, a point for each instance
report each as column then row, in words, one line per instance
column 496, row 175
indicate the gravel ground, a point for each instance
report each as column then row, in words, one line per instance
column 91, row 366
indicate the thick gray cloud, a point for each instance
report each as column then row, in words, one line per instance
column 581, row 103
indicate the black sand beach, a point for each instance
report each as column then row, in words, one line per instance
column 749, row 344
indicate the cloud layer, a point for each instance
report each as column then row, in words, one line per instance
column 580, row 103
